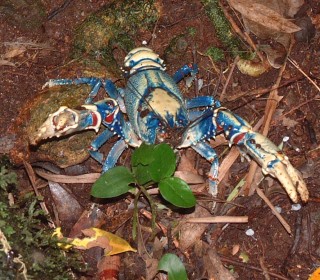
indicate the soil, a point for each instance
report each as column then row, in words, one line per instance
column 271, row 248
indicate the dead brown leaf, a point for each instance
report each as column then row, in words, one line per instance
column 289, row 123
column 4, row 62
column 264, row 16
column 190, row 233
column 84, row 178
column 190, row 178
column 15, row 51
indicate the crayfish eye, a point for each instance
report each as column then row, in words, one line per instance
column 126, row 69
column 110, row 103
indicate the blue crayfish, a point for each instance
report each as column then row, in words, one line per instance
column 152, row 109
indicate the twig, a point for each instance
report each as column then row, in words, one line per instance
column 214, row 66
column 228, row 79
column 261, row 91
column 245, row 265
column 275, row 212
column 84, row 178
column 32, row 178
column 296, row 108
column 59, row 10
column 215, row 268
column 153, row 35
column 196, row 85
column 219, row 219
column 264, row 269
column 295, row 64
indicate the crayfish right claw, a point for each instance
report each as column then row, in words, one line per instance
column 275, row 163
column 289, row 177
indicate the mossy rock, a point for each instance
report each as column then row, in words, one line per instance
column 115, row 25
column 63, row 152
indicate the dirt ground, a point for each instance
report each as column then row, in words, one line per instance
column 271, row 248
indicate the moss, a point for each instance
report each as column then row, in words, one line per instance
column 24, row 226
column 215, row 53
column 115, row 25
column 222, row 27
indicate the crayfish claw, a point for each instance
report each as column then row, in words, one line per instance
column 289, row 177
column 275, row 163
column 62, row 122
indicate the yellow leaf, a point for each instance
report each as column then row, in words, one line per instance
column 111, row 243
column 57, row 233
column 118, row 245
column 315, row 275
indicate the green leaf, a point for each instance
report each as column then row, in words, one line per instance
column 116, row 181
column 177, row 192
column 7, row 178
column 142, row 174
column 164, row 163
column 153, row 163
column 171, row 264
column 142, row 155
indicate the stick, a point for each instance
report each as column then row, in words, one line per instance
column 219, row 219
column 32, row 177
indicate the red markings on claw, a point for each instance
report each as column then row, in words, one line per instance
column 95, row 119
column 109, row 118
column 238, row 138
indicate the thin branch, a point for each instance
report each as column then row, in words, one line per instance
column 228, row 79
column 219, row 219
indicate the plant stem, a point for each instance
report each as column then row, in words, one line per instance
column 153, row 209
column 135, row 216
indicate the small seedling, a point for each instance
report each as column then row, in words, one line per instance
column 150, row 165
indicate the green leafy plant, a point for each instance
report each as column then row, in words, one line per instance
column 150, row 164
column 27, row 248
column 7, row 178
column 171, row 264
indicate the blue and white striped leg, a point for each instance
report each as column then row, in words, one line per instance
column 97, row 143
column 206, row 151
column 114, row 155
column 66, row 82
column 95, row 84
column 184, row 71
column 202, row 101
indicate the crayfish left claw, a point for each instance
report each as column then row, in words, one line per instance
column 66, row 121
column 273, row 162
